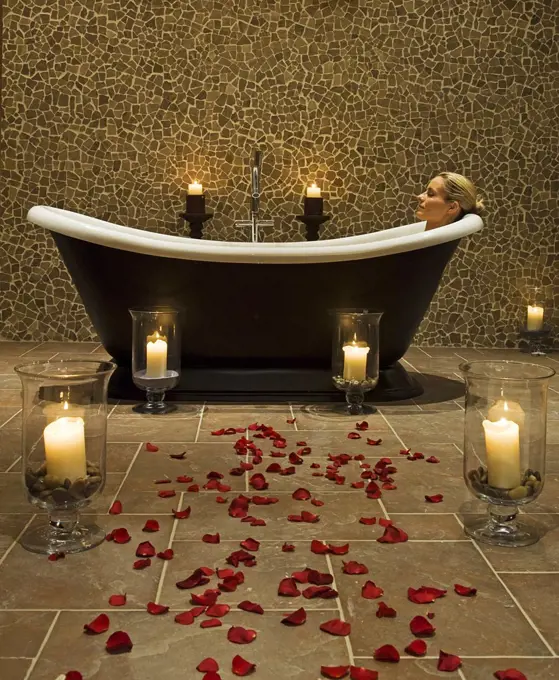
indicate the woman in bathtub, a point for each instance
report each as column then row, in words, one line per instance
column 448, row 197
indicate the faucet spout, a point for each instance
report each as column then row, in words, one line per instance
column 256, row 171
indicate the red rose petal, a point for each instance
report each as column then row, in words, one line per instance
column 432, row 459
column 240, row 635
column 288, row 547
column 417, row 648
column 98, row 625
column 448, row 662
column 73, row 675
column 374, row 442
column 354, row 435
column 421, row 627
column 167, row 493
column 318, row 547
column 288, row 588
column 166, row 480
column 166, row 554
column 240, row 666
column 309, row 517
column 193, row 489
column 142, row 564
column 182, row 514
column 250, row 544
column 384, row 611
column 197, row 578
column 220, row 499
column 290, row 421
column 116, row 508
column 334, row 671
column 425, row 594
column 357, row 485
column 120, row 535
column 211, row 623
column 118, row 643
column 370, row 591
column 151, row 526
column 301, row 495
column 218, row 433
column 317, row 502
column 178, row 456
column 185, row 618
column 157, row 609
column 360, row 673
column 362, row 426
column 145, row 549
column 336, row 627
column 117, row 600
column 510, row 674
column 151, row 447
column 218, row 610
column 437, row 498
column 385, row 522
column 183, row 479
column 211, row 538
column 393, row 535
column 465, row 591
column 252, row 607
column 54, row 557
column 296, row 618
column 354, row 568
column 338, row 549
column 294, row 459
column 208, row 665
column 387, row 653
column 368, row 521
column 207, row 599
column 325, row 592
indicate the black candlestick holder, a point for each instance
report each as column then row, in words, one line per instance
column 535, row 341
column 196, row 214
column 312, row 222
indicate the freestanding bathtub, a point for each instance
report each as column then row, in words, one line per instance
column 256, row 322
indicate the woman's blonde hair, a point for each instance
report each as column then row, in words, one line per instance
column 458, row 188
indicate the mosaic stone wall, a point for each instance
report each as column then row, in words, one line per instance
column 111, row 107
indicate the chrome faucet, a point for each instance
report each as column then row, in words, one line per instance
column 254, row 223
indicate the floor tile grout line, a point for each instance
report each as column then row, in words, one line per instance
column 352, row 540
column 113, row 408
column 340, row 609
column 16, row 539
column 424, row 352
column 503, row 571
column 414, row 368
column 43, row 645
column 201, row 417
column 32, row 348
column 513, row 598
column 465, row 656
column 11, row 418
column 115, row 497
column 178, row 608
column 393, row 430
column 383, row 508
column 16, row 461
column 169, row 545
column 96, row 348
column 294, row 417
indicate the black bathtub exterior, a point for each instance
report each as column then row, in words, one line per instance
column 256, row 331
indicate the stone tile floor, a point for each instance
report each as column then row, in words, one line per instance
column 511, row 623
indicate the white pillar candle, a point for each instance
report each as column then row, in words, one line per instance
column 534, row 320
column 65, row 448
column 355, row 361
column 502, row 446
column 156, row 366
column 511, row 410
column 313, row 191
column 195, row 189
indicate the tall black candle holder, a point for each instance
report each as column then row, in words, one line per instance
column 313, row 217
column 196, row 214
column 535, row 341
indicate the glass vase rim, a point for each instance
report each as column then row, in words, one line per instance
column 26, row 369
column 546, row 372
column 153, row 309
column 355, row 311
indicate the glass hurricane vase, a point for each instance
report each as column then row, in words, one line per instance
column 64, row 449
column 156, row 356
column 505, row 445
column 355, row 357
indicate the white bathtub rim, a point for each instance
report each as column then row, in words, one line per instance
column 380, row 243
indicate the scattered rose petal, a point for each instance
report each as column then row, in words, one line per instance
column 370, row 591
column 178, row 456
column 290, row 421
column 301, row 495
column 208, row 665
column 425, row 594
column 393, row 535
column 240, row 635
column 404, row 452
column 296, row 618
column 339, row 549
column 288, row 547
column 193, row 489
column 354, row 568
column 417, row 648
column 157, row 609
column 151, row 526
column 120, row 535
column 448, row 662
column 151, row 447
column 421, row 627
column 240, row 666
column 250, row 544
column 166, row 480
column 54, row 557
column 325, row 592
column 362, row 426
column 218, row 610
column 384, row 611
column 368, row 521
column 336, row 627
column 117, row 600
column 142, row 564
column 145, row 549
column 197, row 578
column 510, row 674
column 211, row 538
column 182, row 514
column 430, row 615
column 73, row 675
column 252, row 607
column 167, row 493
column 437, row 498
column 288, row 588
column 317, row 502
column 465, row 591
column 374, row 442
column 116, row 508
column 354, row 435
column 218, row 433
column 318, row 547
column 360, row 673
column 385, row 522
column 118, row 643
column 334, row 671
column 185, row 618
column 432, row 459
column 387, row 653
column 211, row 623
column 183, row 479
column 309, row 517
column 98, row 625
column 166, row 554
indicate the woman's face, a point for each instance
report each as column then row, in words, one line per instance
column 433, row 205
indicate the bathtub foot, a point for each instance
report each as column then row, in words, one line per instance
column 155, row 404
